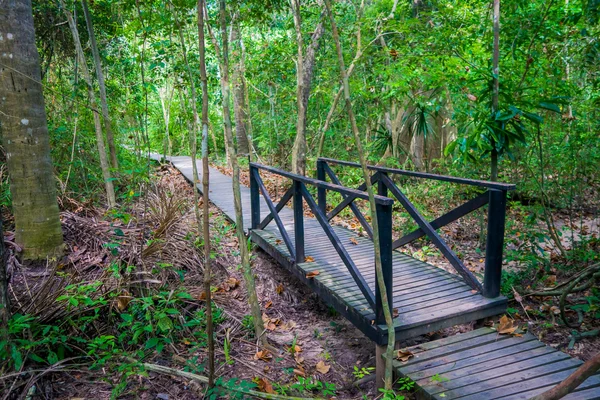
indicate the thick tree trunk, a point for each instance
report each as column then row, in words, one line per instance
column 239, row 102
column 247, row 272
column 25, row 135
column 110, row 140
column 304, row 73
column 108, row 185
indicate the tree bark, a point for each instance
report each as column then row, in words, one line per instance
column 239, row 102
column 304, row 74
column 4, row 302
column 110, row 140
column 589, row 368
column 373, row 211
column 25, row 136
column 108, row 185
column 247, row 272
column 166, row 97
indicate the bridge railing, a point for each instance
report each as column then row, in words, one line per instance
column 494, row 196
column 299, row 193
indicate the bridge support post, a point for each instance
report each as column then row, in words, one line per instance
column 495, row 243
column 384, row 219
column 298, row 222
column 254, row 199
column 321, row 192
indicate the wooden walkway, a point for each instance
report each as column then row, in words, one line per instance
column 427, row 298
column 482, row 364
column 476, row 365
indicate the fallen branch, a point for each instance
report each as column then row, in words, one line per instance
column 204, row 380
column 559, row 391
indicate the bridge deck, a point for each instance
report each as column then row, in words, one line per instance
column 427, row 298
column 484, row 365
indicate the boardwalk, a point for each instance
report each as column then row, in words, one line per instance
column 475, row 365
column 427, row 298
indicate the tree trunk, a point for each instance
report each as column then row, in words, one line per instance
column 248, row 274
column 205, row 201
column 304, row 74
column 108, row 185
column 373, row 211
column 110, row 140
column 4, row 303
column 495, row 85
column 166, row 97
column 239, row 101
column 25, row 136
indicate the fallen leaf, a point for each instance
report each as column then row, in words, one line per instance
column 297, row 349
column 353, row 240
column 264, row 385
column 299, row 360
column 322, row 367
column 268, row 304
column 230, row 284
column 506, row 326
column 395, row 313
column 123, row 300
column 555, row 310
column 299, row 371
column 202, row 296
column 404, row 355
column 518, row 297
column 309, row 259
column 266, row 368
column 263, row 355
column 278, row 241
column 312, row 274
column 279, row 289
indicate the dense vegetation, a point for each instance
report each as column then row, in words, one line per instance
column 430, row 90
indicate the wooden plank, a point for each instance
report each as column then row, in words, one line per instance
column 509, row 349
column 528, row 367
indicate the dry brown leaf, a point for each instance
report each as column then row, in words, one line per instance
column 278, row 242
column 309, row 259
column 202, row 296
column 404, row 355
column 555, row 310
column 268, row 304
column 267, row 369
column 299, row 371
column 322, row 367
column 299, row 360
column 123, row 300
column 312, row 274
column 353, row 240
column 395, row 313
column 297, row 349
column 263, row 355
column 230, row 284
column 264, row 385
column 279, row 289
column 518, row 297
column 506, row 326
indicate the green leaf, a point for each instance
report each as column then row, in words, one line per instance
column 151, row 343
column 549, row 106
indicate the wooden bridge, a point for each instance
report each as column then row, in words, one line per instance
column 338, row 264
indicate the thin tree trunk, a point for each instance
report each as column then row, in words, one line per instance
column 110, row 140
column 239, row 109
column 108, row 185
column 166, row 96
column 196, row 122
column 366, row 175
column 4, row 302
column 25, row 136
column 495, row 84
column 237, row 198
column 205, row 201
column 589, row 368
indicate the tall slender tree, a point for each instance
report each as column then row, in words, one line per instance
column 106, row 175
column 25, row 135
column 110, row 139
column 205, row 200
column 373, row 209
column 495, row 83
column 237, row 197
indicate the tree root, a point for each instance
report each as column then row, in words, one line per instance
column 575, row 336
column 204, row 380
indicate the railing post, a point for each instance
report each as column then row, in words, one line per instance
column 495, row 243
column 298, row 222
column 254, row 198
column 381, row 188
column 321, row 192
column 384, row 221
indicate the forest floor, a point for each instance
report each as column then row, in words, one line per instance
column 319, row 350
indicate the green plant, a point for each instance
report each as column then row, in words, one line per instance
column 390, row 394
column 360, row 373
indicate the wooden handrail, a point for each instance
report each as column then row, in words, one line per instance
column 424, row 175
